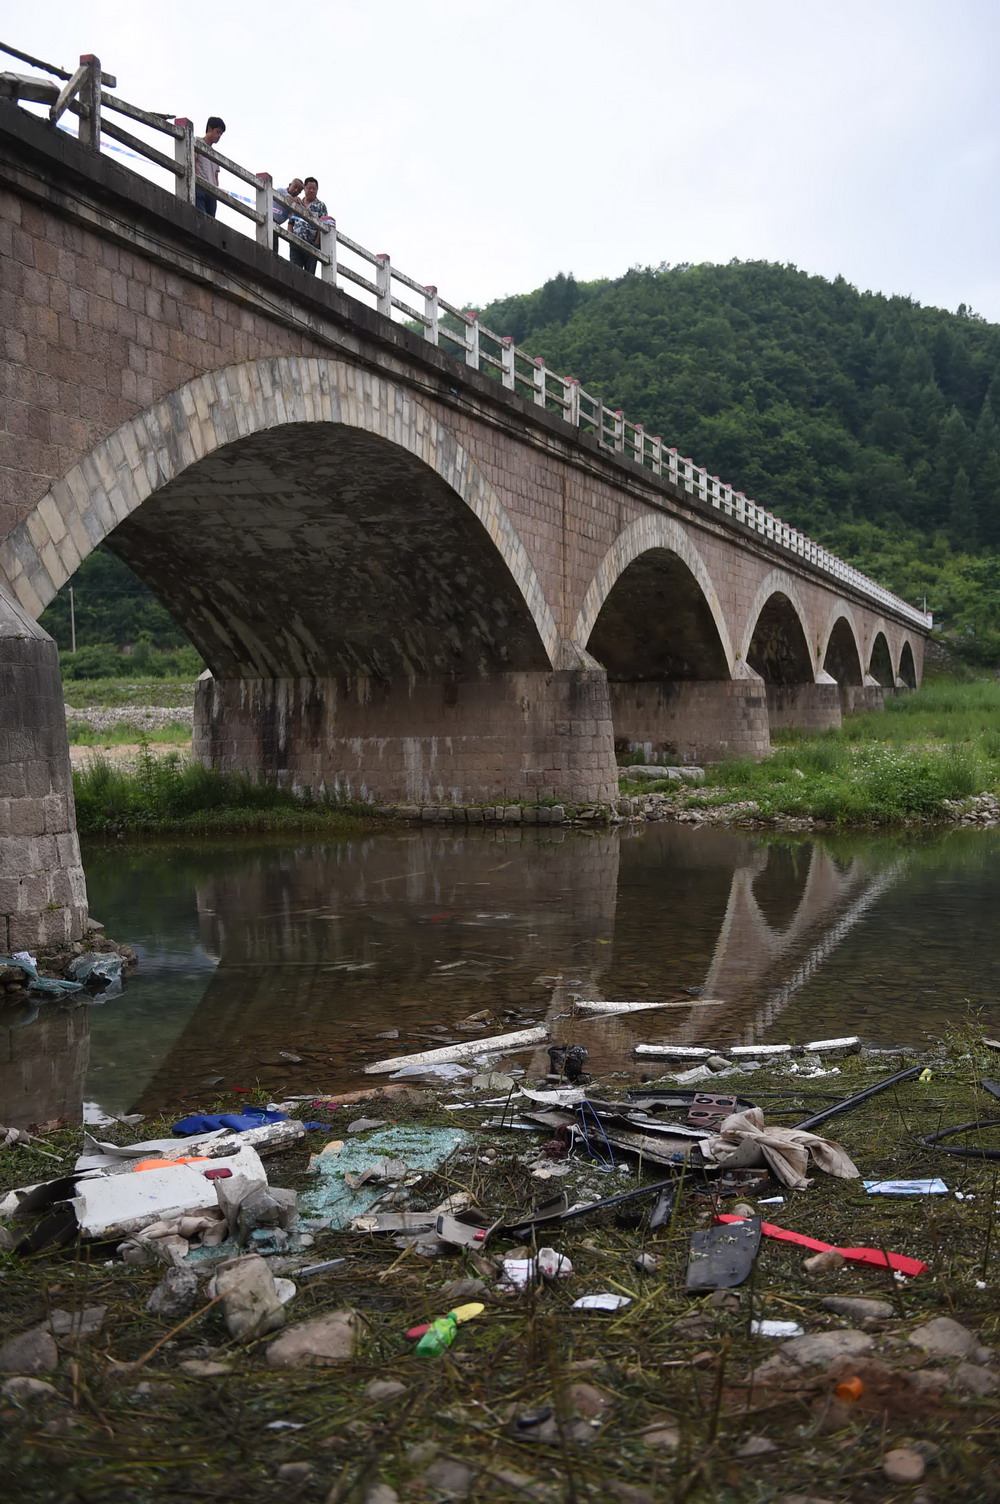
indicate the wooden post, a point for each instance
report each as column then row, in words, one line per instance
column 431, row 311
column 383, row 281
column 90, row 103
column 184, row 157
column 265, row 208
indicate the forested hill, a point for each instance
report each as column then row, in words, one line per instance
column 869, row 422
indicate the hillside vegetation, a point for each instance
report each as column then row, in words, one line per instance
column 868, row 422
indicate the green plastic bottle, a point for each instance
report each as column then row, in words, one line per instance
column 439, row 1335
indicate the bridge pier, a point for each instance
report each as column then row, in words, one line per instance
column 691, row 721
column 855, row 698
column 43, row 896
column 810, row 707
column 511, row 736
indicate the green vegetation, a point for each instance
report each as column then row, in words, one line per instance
column 125, row 734
column 869, row 422
column 112, row 693
column 938, row 744
column 173, row 795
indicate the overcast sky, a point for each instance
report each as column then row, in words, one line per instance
column 487, row 144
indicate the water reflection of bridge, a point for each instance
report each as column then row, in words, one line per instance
column 320, row 947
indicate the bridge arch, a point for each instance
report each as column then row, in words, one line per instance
column 907, row 668
column 301, row 420
column 620, row 620
column 775, row 642
column 880, row 662
column 842, row 657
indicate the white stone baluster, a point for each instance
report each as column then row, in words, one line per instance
column 431, row 313
column 265, row 208
column 383, row 281
column 184, row 157
column 540, row 373
column 507, row 361
column 328, row 243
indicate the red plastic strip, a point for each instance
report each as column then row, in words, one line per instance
column 898, row 1261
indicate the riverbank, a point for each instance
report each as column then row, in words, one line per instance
column 673, row 1396
column 932, row 755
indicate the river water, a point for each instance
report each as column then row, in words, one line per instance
column 251, row 951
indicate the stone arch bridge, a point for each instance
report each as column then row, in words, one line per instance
column 408, row 582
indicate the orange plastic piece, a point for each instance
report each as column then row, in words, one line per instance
column 851, row 1389
column 164, row 1164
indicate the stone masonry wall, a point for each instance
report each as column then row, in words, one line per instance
column 691, row 721
column 43, row 898
column 512, row 736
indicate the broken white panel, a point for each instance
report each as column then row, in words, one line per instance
column 674, row 1051
column 464, row 1051
column 763, row 1051
column 117, row 1205
column 599, row 1007
column 849, row 1045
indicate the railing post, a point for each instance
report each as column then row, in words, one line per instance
column 657, row 454
column 265, row 208
column 572, row 412
column 472, row 339
column 639, row 443
column 619, row 429
column 328, row 243
column 540, row 393
column 507, row 361
column 184, row 157
column 90, row 102
column 431, row 312
column 383, row 281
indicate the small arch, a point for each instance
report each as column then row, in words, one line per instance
column 880, row 666
column 778, row 650
column 670, row 574
column 206, row 422
column 907, row 667
column 842, row 660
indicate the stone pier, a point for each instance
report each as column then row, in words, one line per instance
column 43, row 897
column 519, row 736
column 689, row 721
column 811, row 707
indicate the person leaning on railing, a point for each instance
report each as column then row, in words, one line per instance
column 306, row 229
column 279, row 213
column 204, row 167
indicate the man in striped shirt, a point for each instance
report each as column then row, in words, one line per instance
column 204, row 167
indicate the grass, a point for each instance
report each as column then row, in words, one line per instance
column 111, row 693
column 126, row 734
column 669, row 1359
column 173, row 795
column 939, row 744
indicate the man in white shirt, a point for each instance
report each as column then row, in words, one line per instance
column 204, row 167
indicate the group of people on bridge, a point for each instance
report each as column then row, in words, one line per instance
column 304, row 191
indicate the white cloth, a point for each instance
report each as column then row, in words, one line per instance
column 744, row 1141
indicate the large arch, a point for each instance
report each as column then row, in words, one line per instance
column 907, row 667
column 880, row 663
column 776, row 583
column 842, row 659
column 778, row 649
column 275, row 442
column 664, row 540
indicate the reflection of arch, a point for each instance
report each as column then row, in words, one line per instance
column 363, row 414
column 907, row 669
column 778, row 887
column 778, row 649
column 842, row 659
column 880, row 666
column 658, row 537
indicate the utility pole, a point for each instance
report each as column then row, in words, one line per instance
column 72, row 622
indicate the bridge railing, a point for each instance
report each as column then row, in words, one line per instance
column 371, row 277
